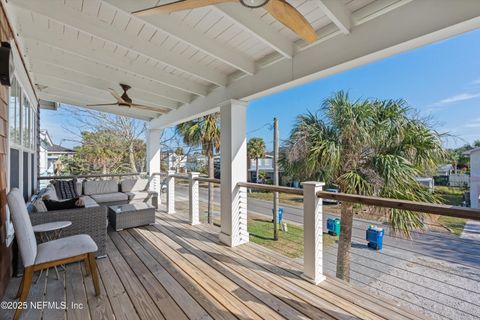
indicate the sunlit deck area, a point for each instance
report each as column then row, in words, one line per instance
column 172, row 270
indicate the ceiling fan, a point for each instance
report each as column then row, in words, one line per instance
column 125, row 101
column 279, row 9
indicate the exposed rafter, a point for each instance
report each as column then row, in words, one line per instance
column 175, row 28
column 163, row 80
column 88, row 68
column 95, row 27
column 338, row 13
column 262, row 31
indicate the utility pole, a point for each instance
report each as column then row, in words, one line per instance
column 276, row 147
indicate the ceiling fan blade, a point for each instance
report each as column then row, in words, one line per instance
column 144, row 107
column 292, row 19
column 102, row 104
column 178, row 6
column 116, row 95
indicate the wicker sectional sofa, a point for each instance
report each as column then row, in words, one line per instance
column 97, row 196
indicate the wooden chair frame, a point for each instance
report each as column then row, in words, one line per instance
column 24, row 288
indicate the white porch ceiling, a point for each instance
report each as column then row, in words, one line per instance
column 184, row 64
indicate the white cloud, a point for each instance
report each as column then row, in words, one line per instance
column 456, row 98
column 475, row 123
column 475, row 82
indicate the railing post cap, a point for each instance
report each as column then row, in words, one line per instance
column 171, row 171
column 194, row 174
column 313, row 183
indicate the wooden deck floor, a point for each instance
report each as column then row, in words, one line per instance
column 172, row 270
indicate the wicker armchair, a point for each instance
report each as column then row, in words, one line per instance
column 91, row 221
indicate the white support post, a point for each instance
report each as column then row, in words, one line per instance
column 194, row 198
column 233, row 169
column 170, row 192
column 153, row 163
column 313, row 232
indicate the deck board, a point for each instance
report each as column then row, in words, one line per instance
column 172, row 270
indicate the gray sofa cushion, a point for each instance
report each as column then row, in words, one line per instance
column 143, row 195
column 109, row 197
column 99, row 187
column 89, row 202
column 133, row 185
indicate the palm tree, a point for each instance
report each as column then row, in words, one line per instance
column 369, row 147
column 256, row 150
column 204, row 132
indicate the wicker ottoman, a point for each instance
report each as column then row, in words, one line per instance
column 130, row 215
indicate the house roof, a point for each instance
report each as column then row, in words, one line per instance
column 187, row 63
column 468, row 152
column 58, row 148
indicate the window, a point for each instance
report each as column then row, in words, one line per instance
column 26, row 122
column 14, row 112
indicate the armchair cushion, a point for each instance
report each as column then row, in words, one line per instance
column 65, row 248
column 23, row 227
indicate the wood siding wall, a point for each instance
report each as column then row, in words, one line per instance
column 5, row 252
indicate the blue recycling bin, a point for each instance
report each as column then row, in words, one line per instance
column 374, row 236
column 333, row 226
column 280, row 215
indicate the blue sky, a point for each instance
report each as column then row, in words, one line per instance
column 441, row 81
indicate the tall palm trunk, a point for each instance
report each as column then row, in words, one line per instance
column 211, row 174
column 345, row 242
column 131, row 158
column 257, row 171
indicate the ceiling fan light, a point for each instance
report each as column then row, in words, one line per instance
column 253, row 3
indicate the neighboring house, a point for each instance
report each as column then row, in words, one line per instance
column 265, row 165
column 50, row 152
column 445, row 170
column 177, row 162
column 427, row 182
column 474, row 177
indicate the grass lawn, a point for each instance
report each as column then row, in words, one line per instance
column 289, row 243
column 451, row 196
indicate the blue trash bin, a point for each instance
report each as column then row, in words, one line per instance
column 333, row 226
column 280, row 215
column 374, row 236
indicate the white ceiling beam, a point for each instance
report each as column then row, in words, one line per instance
column 62, row 98
column 163, row 87
column 172, row 86
column 338, row 13
column 428, row 21
column 59, row 12
column 178, row 30
column 65, row 84
column 259, row 29
column 44, row 68
column 38, row 57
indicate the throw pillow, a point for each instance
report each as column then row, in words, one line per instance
column 66, row 189
column 53, row 205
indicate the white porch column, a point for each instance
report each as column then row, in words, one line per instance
column 313, row 232
column 153, row 160
column 194, row 198
column 170, row 192
column 233, row 153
